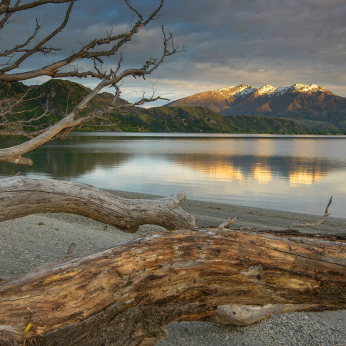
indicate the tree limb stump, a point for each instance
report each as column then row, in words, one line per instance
column 21, row 196
column 125, row 294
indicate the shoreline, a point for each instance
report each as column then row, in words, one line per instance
column 34, row 240
column 205, row 134
column 212, row 214
column 27, row 243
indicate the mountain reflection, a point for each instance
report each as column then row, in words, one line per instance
column 79, row 156
column 295, row 170
column 69, row 164
column 274, row 173
column 63, row 160
column 262, row 174
column 64, row 165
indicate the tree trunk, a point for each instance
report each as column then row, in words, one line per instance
column 125, row 294
column 21, row 196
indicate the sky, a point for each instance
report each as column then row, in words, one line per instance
column 226, row 42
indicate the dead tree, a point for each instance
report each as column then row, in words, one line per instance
column 95, row 51
column 125, row 294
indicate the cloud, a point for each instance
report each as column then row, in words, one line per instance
column 227, row 42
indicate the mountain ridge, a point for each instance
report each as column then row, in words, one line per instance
column 298, row 101
column 61, row 96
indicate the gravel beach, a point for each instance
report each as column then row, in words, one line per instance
column 29, row 242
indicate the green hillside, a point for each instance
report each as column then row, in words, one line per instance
column 61, row 96
column 200, row 120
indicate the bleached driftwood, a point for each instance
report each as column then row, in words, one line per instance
column 21, row 196
column 124, row 295
column 326, row 214
column 228, row 222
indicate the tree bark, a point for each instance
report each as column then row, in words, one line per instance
column 125, row 294
column 21, row 196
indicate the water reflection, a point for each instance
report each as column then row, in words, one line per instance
column 262, row 174
column 287, row 173
column 295, row 170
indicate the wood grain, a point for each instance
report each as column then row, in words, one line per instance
column 125, row 294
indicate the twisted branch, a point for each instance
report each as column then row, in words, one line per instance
column 326, row 214
column 107, row 79
column 86, row 52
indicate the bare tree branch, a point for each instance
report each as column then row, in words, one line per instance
column 11, row 121
column 326, row 214
column 5, row 9
column 228, row 222
column 7, row 16
column 85, row 53
column 38, row 47
column 107, row 79
column 19, row 48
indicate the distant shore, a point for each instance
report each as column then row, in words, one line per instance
column 29, row 242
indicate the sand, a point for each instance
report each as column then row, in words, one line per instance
column 29, row 242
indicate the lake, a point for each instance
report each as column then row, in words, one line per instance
column 284, row 172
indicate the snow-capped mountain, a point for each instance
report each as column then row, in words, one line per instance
column 298, row 101
column 234, row 91
column 269, row 90
column 302, row 88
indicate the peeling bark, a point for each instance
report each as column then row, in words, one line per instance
column 21, row 196
column 125, row 294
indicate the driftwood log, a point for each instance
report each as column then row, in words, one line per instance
column 125, row 294
column 21, row 196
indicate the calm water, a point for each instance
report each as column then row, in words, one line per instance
column 293, row 173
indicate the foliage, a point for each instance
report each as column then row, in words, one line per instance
column 202, row 120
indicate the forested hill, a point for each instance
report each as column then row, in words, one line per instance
column 200, row 119
column 61, row 96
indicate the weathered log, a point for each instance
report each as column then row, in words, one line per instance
column 125, row 294
column 21, row 196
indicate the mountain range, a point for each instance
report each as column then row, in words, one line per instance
column 311, row 105
column 204, row 112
